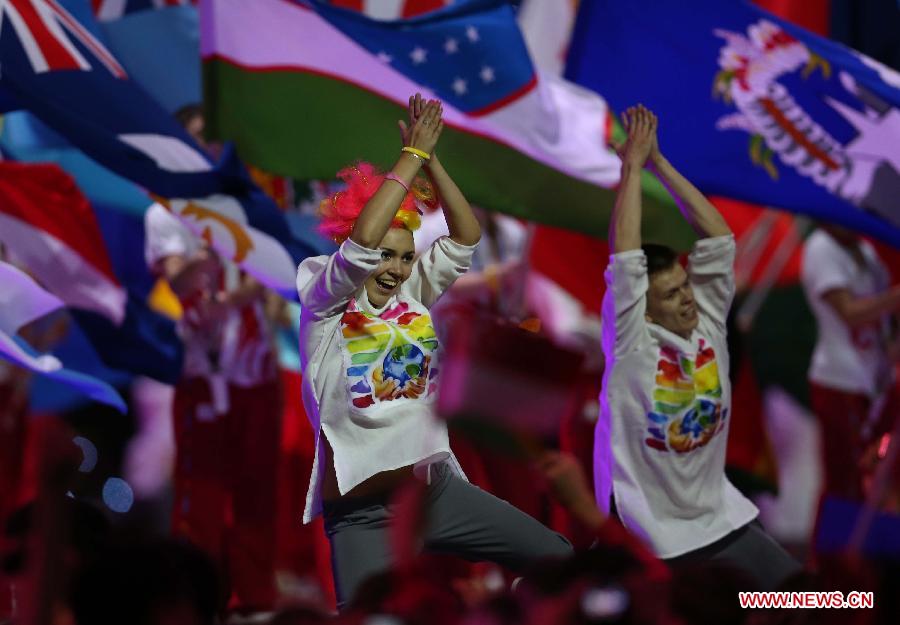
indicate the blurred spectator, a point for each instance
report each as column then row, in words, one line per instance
column 227, row 407
column 853, row 385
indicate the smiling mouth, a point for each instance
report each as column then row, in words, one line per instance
column 386, row 285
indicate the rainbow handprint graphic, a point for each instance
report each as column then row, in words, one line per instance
column 687, row 408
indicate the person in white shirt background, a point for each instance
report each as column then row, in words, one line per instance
column 660, row 441
column 371, row 364
column 227, row 406
column 853, row 388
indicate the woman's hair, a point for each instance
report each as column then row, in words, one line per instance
column 340, row 211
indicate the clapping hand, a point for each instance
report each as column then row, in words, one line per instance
column 425, row 124
column 640, row 124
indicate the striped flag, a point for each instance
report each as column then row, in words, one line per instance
column 47, row 33
column 50, row 227
column 114, row 122
column 22, row 301
column 515, row 143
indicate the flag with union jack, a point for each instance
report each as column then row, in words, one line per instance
column 56, row 66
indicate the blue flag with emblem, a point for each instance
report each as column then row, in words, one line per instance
column 753, row 107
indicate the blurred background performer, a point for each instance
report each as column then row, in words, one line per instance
column 227, row 407
column 851, row 376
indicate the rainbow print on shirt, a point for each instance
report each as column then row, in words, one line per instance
column 687, row 401
column 388, row 356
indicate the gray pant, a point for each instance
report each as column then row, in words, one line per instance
column 750, row 549
column 461, row 518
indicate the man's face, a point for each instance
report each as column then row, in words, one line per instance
column 670, row 301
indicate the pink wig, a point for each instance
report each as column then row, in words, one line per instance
column 340, row 211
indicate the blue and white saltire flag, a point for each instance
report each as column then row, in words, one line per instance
column 22, row 301
column 753, row 107
column 54, row 66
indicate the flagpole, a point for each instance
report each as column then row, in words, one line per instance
column 757, row 296
column 750, row 247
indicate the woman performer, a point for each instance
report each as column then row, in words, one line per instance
column 371, row 364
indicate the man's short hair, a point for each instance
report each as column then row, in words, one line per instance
column 659, row 257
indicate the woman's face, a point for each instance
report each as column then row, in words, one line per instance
column 397, row 254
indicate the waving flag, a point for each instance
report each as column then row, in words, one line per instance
column 23, row 301
column 51, row 228
column 60, row 71
column 547, row 27
column 304, row 88
column 109, row 10
column 758, row 109
column 160, row 49
column 24, row 138
column 147, row 342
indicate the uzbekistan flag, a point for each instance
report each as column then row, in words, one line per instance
column 304, row 88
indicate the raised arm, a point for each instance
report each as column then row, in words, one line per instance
column 325, row 284
column 376, row 217
column 187, row 275
column 858, row 312
column 461, row 222
column 625, row 301
column 625, row 223
column 700, row 213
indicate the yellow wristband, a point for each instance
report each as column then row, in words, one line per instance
column 416, row 152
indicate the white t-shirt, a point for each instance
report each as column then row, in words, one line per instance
column 370, row 375
column 509, row 242
column 660, row 442
column 241, row 343
column 851, row 360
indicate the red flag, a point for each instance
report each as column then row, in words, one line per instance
column 50, row 227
